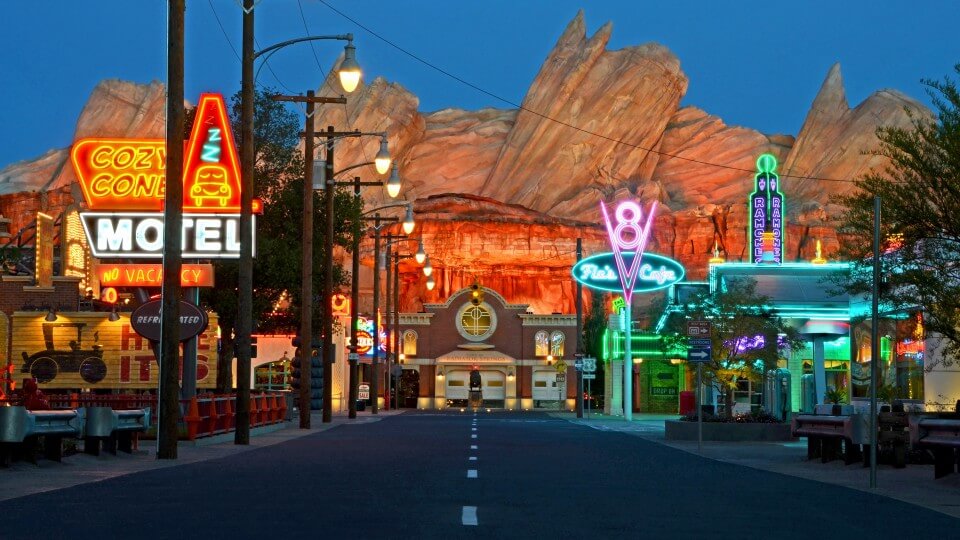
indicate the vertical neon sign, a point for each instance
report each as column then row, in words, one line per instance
column 766, row 213
column 629, row 240
column 628, row 237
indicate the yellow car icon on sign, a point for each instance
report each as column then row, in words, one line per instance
column 210, row 185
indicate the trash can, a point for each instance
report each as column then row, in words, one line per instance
column 688, row 402
column 361, row 404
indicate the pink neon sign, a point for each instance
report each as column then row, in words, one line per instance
column 628, row 216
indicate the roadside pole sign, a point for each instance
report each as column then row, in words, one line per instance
column 700, row 350
column 589, row 376
column 363, row 391
column 589, row 365
column 353, row 357
column 561, row 377
column 698, row 329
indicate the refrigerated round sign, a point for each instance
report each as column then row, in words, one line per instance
column 145, row 320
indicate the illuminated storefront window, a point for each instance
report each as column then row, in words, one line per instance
column 556, row 343
column 410, row 343
column 542, row 343
column 273, row 376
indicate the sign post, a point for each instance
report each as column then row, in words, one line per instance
column 589, row 374
column 699, row 351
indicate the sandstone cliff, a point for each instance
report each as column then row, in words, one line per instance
column 502, row 194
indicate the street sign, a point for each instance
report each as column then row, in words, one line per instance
column 363, row 391
column 698, row 354
column 698, row 329
column 561, row 377
column 578, row 364
column 700, row 343
column 589, row 364
column 589, row 376
column 353, row 357
column 561, row 366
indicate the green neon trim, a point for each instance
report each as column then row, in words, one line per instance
column 604, row 350
column 767, row 163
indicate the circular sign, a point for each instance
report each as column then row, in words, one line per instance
column 145, row 320
column 655, row 272
column 364, row 342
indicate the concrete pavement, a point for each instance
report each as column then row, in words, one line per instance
column 24, row 478
column 914, row 484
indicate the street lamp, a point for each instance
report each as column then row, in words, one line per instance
column 427, row 267
column 349, row 78
column 393, row 295
column 382, row 159
column 421, row 254
column 431, row 283
column 408, row 223
column 393, row 183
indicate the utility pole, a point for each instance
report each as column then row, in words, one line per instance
column 375, row 363
column 875, row 340
column 168, row 400
column 306, row 268
column 396, row 325
column 389, row 297
column 245, row 270
column 354, row 358
column 328, row 286
column 579, row 335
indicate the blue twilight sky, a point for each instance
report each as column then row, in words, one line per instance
column 753, row 63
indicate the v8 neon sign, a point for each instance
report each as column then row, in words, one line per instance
column 628, row 236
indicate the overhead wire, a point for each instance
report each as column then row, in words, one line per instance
column 558, row 121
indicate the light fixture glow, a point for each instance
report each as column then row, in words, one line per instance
column 427, row 267
column 382, row 159
column 408, row 223
column 393, row 183
column 431, row 283
column 349, row 68
column 51, row 315
column 421, row 255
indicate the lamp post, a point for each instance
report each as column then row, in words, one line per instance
column 393, row 314
column 382, row 163
column 349, row 73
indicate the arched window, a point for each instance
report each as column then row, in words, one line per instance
column 410, row 343
column 556, row 343
column 541, row 343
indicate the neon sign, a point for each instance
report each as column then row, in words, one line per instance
column 766, row 213
column 151, row 275
column 628, row 216
column 123, row 183
column 654, row 273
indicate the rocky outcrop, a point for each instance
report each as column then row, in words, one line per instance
column 503, row 194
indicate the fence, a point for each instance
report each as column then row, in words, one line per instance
column 202, row 416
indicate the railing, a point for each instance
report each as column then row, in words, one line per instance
column 203, row 416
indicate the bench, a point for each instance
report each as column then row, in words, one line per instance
column 112, row 429
column 826, row 433
column 942, row 436
column 21, row 429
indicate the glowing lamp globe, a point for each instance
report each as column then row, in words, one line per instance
column 393, row 184
column 382, row 159
column 431, row 283
column 427, row 267
column 421, row 255
column 408, row 223
column 349, row 69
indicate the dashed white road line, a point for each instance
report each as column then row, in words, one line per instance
column 473, row 429
column 474, row 436
column 469, row 515
column 473, row 447
column 471, row 473
column 473, row 458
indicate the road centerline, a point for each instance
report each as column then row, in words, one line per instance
column 469, row 515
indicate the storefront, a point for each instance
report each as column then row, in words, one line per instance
column 511, row 355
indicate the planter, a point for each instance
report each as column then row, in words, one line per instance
column 677, row 430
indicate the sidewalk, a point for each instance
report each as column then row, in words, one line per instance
column 26, row 478
column 914, row 484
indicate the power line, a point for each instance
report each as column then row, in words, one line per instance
column 557, row 121
column 312, row 48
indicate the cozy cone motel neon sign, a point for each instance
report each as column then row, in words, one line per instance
column 630, row 268
column 123, row 183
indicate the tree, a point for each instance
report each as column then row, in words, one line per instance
column 278, row 182
column 747, row 338
column 920, row 195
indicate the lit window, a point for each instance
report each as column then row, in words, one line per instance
column 475, row 321
column 410, row 343
column 542, row 343
column 556, row 343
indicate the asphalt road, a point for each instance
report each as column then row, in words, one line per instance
column 410, row 476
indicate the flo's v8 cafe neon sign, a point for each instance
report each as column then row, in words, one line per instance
column 123, row 183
